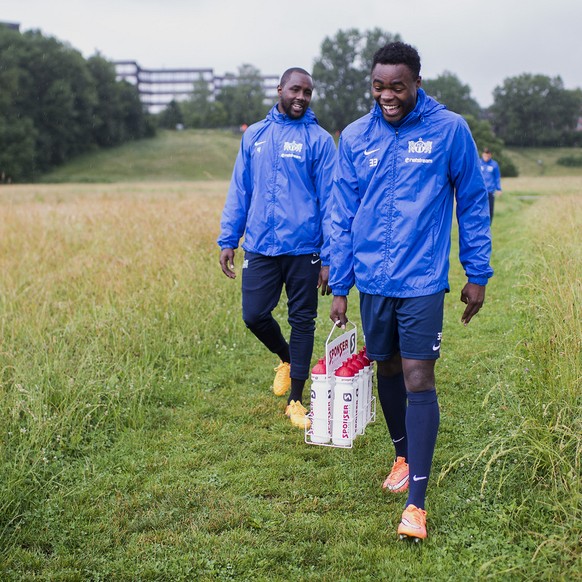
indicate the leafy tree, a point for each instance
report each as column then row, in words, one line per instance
column 450, row 91
column 137, row 123
column 17, row 148
column 17, row 134
column 201, row 110
column 536, row 110
column 61, row 96
column 106, row 127
column 171, row 116
column 118, row 115
column 342, row 88
column 54, row 104
column 243, row 97
column 342, row 76
column 485, row 138
column 54, row 90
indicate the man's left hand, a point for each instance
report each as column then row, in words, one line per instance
column 473, row 296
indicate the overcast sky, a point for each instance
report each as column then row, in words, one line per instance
column 482, row 42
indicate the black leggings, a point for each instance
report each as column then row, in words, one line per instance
column 491, row 205
column 262, row 283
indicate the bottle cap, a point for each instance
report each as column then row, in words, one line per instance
column 319, row 368
column 364, row 356
column 355, row 361
column 345, row 371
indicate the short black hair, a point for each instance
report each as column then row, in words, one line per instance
column 398, row 53
column 285, row 76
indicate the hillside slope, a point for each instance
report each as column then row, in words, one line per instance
column 170, row 156
column 193, row 155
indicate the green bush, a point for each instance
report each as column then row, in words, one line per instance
column 570, row 161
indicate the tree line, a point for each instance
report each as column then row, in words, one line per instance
column 528, row 110
column 55, row 105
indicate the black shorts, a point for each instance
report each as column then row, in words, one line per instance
column 412, row 326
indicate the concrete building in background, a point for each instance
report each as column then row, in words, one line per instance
column 158, row 87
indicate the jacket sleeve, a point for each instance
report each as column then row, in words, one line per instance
column 238, row 199
column 472, row 207
column 323, row 178
column 497, row 178
column 345, row 202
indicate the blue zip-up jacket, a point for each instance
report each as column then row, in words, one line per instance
column 491, row 175
column 280, row 187
column 393, row 200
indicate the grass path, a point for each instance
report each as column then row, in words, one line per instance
column 199, row 475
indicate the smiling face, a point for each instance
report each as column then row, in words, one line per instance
column 394, row 88
column 295, row 95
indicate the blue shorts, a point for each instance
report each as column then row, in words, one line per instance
column 412, row 326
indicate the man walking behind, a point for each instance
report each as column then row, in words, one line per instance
column 492, row 177
column 400, row 168
column 278, row 198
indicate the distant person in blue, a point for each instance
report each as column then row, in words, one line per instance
column 278, row 198
column 400, row 170
column 492, row 177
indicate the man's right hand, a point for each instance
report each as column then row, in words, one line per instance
column 339, row 307
column 227, row 262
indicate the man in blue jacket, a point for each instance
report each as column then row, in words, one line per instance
column 278, row 198
column 492, row 177
column 400, row 169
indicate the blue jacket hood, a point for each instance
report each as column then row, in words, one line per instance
column 276, row 116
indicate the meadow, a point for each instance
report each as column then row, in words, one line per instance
column 139, row 439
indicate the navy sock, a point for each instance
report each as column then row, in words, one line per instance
column 296, row 390
column 392, row 396
column 422, row 425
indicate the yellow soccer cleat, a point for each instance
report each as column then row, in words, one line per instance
column 297, row 413
column 282, row 381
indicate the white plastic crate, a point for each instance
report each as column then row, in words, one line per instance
column 342, row 402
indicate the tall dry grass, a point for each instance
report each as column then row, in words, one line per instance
column 539, row 454
column 92, row 278
column 113, row 307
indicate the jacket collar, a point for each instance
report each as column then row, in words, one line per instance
column 422, row 100
column 278, row 117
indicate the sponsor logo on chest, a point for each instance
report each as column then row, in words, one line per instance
column 419, row 147
column 416, row 148
column 292, row 149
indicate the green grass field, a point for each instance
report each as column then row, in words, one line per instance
column 209, row 155
column 171, row 156
column 139, row 439
column 542, row 162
